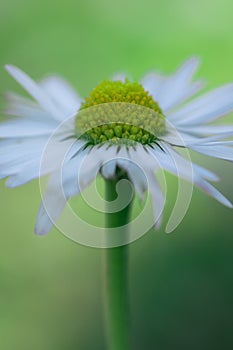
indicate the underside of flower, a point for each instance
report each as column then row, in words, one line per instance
column 119, row 112
column 46, row 138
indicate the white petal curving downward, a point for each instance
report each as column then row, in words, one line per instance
column 62, row 185
column 177, row 165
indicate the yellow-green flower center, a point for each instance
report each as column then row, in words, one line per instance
column 116, row 112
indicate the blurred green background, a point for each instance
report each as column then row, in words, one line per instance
column 181, row 284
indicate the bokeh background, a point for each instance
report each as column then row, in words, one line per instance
column 181, row 284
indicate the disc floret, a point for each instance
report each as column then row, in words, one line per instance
column 119, row 112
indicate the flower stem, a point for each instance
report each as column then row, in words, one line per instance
column 116, row 279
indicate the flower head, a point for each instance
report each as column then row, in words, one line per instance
column 119, row 124
column 108, row 114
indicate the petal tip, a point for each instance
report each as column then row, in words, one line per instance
column 9, row 67
column 39, row 232
column 9, row 183
column 229, row 205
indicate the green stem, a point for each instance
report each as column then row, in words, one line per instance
column 116, row 283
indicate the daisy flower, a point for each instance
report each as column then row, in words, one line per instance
column 121, row 123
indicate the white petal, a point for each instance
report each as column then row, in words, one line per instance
column 178, row 87
column 143, row 158
column 14, row 157
column 50, row 160
column 213, row 192
column 17, row 162
column 94, row 161
column 180, row 137
column 29, row 113
column 23, row 173
column 173, row 162
column 138, row 179
column 145, row 179
column 208, row 107
column 153, row 82
column 24, row 127
column 214, row 150
column 15, row 168
column 200, row 135
column 62, row 94
column 157, row 198
column 180, row 166
column 123, row 158
column 35, row 91
column 70, row 174
column 17, row 148
column 22, row 107
column 183, row 168
column 13, row 98
column 172, row 90
column 216, row 139
column 205, row 173
column 61, row 186
column 177, row 137
column 212, row 142
column 53, row 202
column 129, row 163
column 204, row 130
column 108, row 169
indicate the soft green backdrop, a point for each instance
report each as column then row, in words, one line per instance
column 182, row 284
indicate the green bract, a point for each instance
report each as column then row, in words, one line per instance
column 119, row 112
